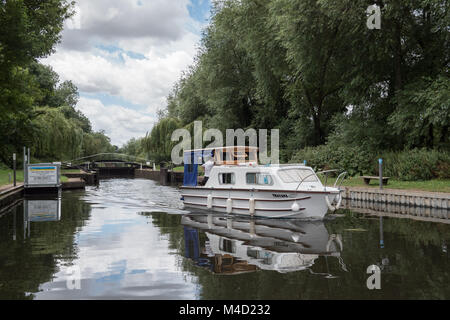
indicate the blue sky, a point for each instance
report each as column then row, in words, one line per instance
column 125, row 56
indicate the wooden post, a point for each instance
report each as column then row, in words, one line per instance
column 163, row 176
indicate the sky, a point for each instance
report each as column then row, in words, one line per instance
column 125, row 56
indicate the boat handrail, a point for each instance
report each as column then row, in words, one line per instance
column 312, row 174
column 343, row 174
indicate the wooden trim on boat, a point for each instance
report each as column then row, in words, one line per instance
column 240, row 208
column 246, row 199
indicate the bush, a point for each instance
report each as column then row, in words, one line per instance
column 409, row 165
column 417, row 164
column 354, row 160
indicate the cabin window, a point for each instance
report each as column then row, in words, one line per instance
column 296, row 175
column 227, row 246
column 259, row 178
column 227, row 178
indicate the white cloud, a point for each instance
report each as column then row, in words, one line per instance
column 134, row 53
column 120, row 124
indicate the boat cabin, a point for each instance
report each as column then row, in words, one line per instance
column 223, row 156
column 237, row 167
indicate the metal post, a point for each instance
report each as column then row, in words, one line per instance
column 14, row 224
column 24, row 220
column 381, row 233
column 29, row 157
column 380, row 161
column 24, row 158
column 14, row 167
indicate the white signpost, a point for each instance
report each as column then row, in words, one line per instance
column 42, row 176
column 43, row 210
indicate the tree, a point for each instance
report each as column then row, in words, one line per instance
column 30, row 30
column 159, row 144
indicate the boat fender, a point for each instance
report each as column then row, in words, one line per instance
column 337, row 238
column 338, row 204
column 295, row 207
column 229, row 205
column 209, row 202
column 252, row 206
column 210, row 221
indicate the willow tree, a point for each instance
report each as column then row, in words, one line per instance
column 158, row 144
column 56, row 137
column 30, row 29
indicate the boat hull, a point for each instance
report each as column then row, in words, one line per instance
column 267, row 203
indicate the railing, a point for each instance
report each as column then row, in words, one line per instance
column 105, row 157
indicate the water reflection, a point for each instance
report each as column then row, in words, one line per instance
column 236, row 245
column 419, row 213
column 128, row 241
column 35, row 239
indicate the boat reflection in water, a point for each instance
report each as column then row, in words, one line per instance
column 235, row 245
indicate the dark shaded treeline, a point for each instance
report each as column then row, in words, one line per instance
column 37, row 110
column 315, row 71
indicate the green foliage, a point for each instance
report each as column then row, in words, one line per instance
column 96, row 142
column 423, row 114
column 313, row 69
column 417, row 164
column 410, row 165
column 37, row 110
column 159, row 144
column 53, row 94
column 30, row 30
column 354, row 160
column 56, row 137
column 134, row 147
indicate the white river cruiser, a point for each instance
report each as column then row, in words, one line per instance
column 238, row 185
column 282, row 245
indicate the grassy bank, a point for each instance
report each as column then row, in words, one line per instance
column 4, row 176
column 436, row 185
column 428, row 185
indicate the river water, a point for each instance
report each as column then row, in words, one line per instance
column 129, row 239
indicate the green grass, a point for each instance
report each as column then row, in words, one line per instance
column 430, row 185
column 4, row 176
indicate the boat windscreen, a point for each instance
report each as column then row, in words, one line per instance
column 296, row 175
